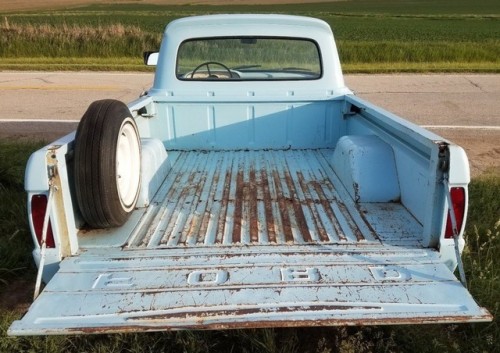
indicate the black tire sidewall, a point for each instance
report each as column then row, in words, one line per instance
column 95, row 164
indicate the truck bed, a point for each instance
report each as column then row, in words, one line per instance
column 240, row 239
column 263, row 198
column 269, row 196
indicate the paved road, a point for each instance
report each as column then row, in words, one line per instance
column 470, row 103
column 59, row 99
column 424, row 99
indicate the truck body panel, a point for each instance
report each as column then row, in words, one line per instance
column 248, row 286
column 283, row 203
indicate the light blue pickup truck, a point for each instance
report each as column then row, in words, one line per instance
column 249, row 187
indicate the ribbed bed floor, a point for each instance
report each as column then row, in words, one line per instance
column 251, row 197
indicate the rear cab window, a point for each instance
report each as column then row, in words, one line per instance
column 248, row 59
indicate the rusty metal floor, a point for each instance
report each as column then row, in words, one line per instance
column 253, row 197
column 299, row 257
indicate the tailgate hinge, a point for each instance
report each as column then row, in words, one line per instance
column 349, row 110
column 52, row 174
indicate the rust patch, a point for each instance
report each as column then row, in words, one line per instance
column 312, row 207
column 200, row 315
column 268, row 207
column 238, row 207
column 141, row 324
column 224, row 206
column 283, row 208
column 204, row 221
column 298, row 211
column 328, row 209
column 362, row 214
column 204, row 206
column 252, row 197
column 184, row 191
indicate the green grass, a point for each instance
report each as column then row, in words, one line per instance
column 481, row 258
column 424, row 67
column 376, row 33
column 15, row 242
column 74, row 64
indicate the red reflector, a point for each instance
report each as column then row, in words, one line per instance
column 38, row 208
column 458, row 204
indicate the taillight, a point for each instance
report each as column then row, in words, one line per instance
column 458, row 203
column 38, row 209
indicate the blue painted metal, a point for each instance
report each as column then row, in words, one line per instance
column 247, row 218
column 366, row 166
column 241, row 287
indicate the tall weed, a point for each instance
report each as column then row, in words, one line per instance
column 361, row 38
column 417, row 52
column 64, row 40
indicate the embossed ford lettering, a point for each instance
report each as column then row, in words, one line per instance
column 310, row 274
column 390, row 273
column 109, row 280
column 208, row 277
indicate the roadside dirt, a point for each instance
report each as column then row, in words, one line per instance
column 482, row 148
column 18, row 295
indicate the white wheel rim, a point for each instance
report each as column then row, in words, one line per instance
column 128, row 164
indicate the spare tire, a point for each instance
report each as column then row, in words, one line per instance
column 107, row 164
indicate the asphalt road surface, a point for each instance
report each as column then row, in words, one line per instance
column 463, row 108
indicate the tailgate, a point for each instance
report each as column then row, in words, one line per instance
column 239, row 287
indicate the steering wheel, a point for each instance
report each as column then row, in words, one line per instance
column 207, row 64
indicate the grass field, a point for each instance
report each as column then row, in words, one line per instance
column 372, row 35
column 481, row 258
